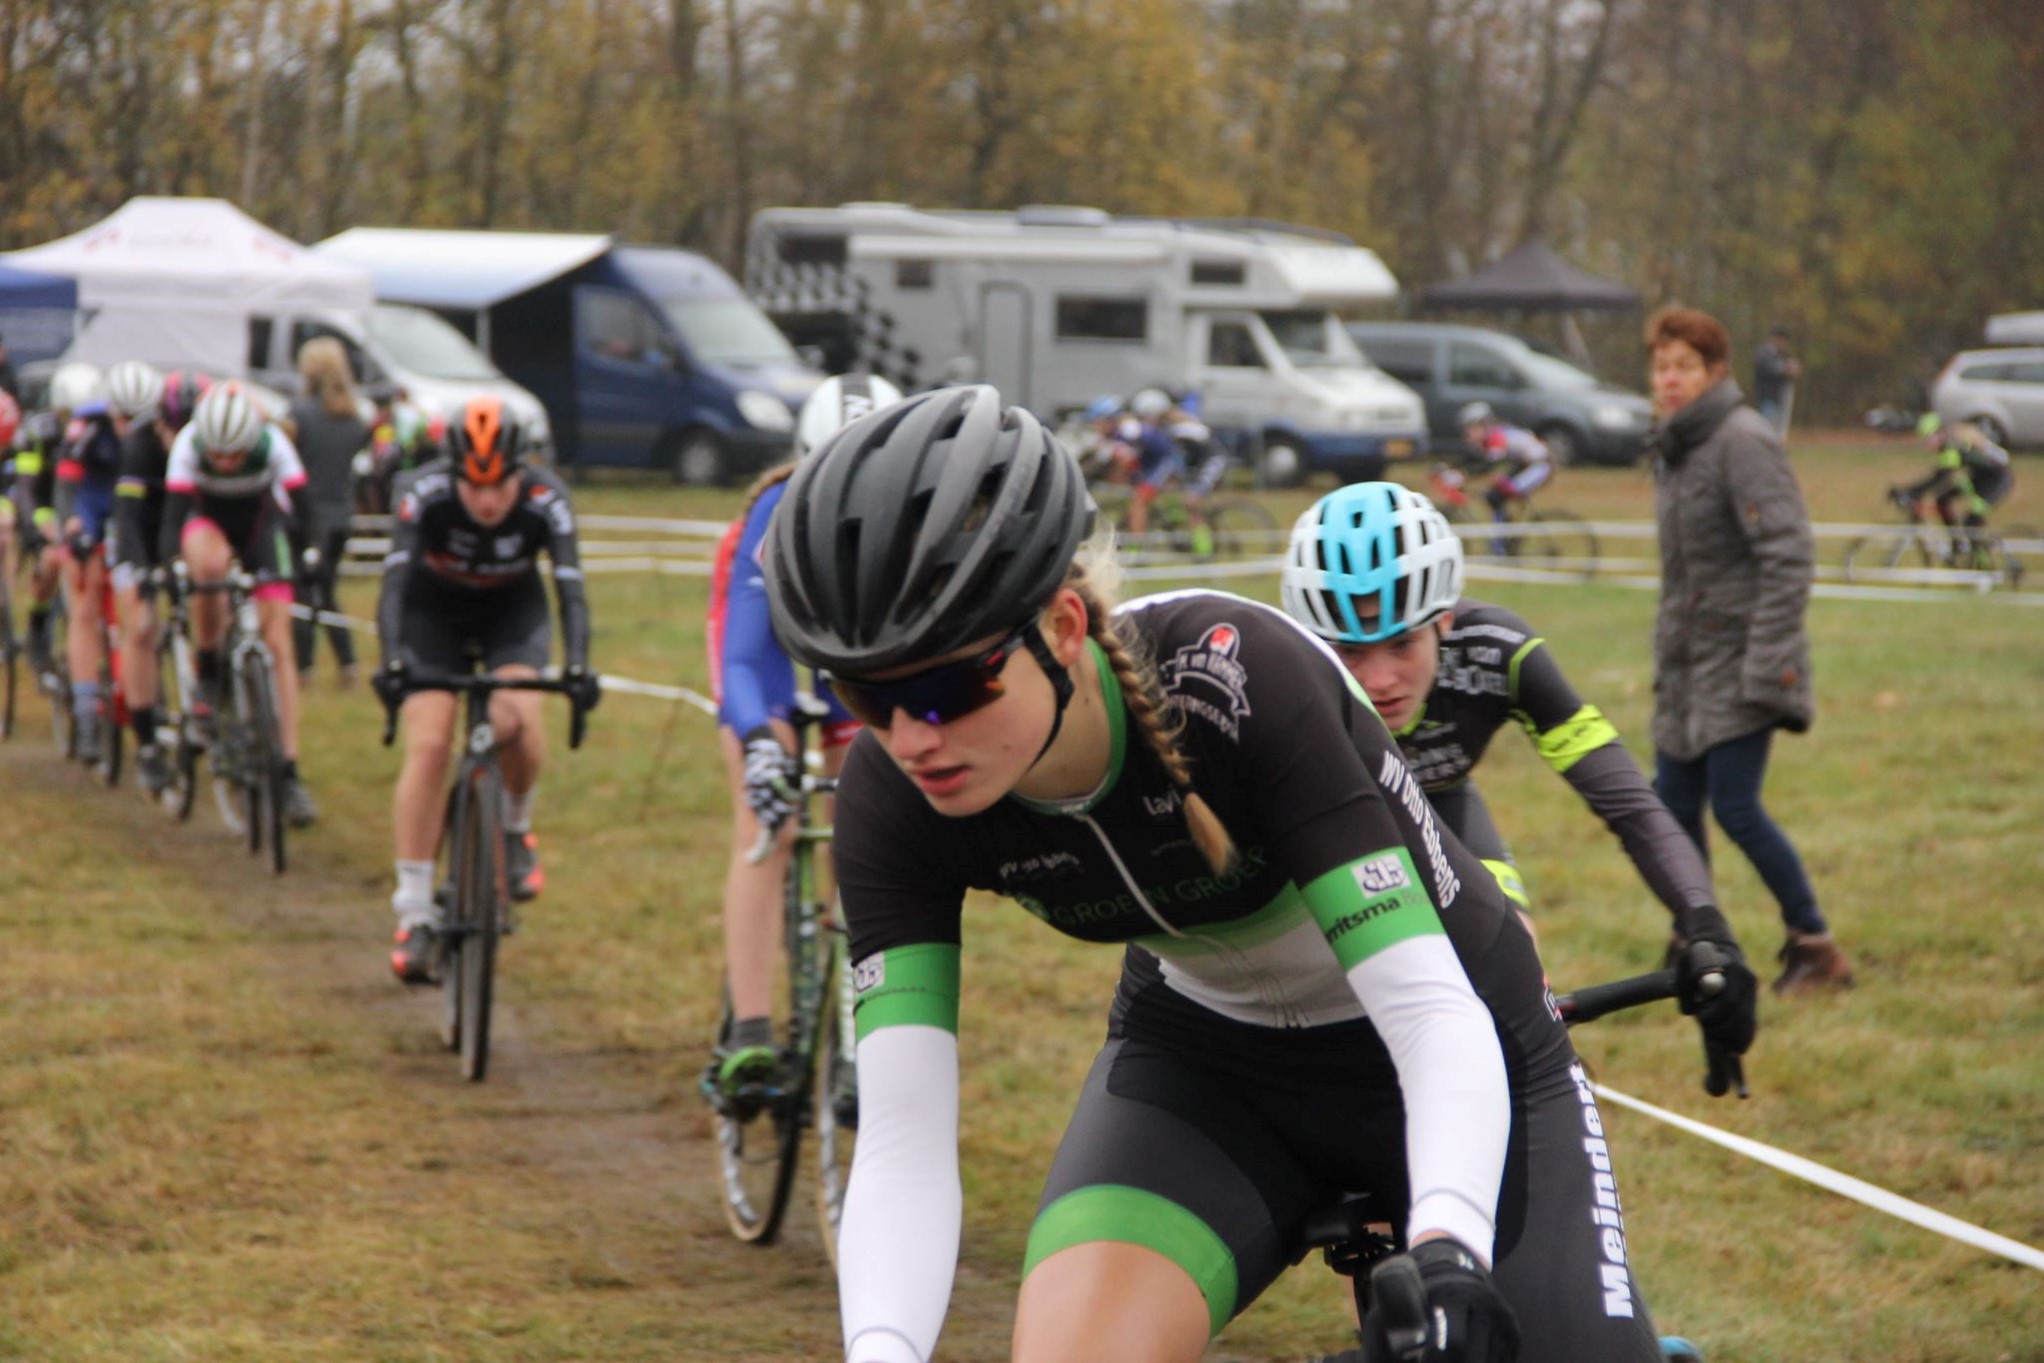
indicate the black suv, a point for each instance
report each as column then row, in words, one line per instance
column 1581, row 419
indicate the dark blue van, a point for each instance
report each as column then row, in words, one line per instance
column 644, row 356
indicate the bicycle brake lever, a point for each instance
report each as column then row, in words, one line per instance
column 1398, row 1299
column 1726, row 1073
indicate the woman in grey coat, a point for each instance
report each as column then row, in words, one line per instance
column 1731, row 657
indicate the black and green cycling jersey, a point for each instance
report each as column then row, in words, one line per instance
column 1495, row 671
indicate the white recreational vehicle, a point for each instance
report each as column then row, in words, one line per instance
column 1056, row 305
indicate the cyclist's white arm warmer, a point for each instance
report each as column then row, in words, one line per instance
column 898, row 1243
column 1451, row 1071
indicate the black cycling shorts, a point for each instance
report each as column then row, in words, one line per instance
column 256, row 528
column 1211, row 1141
column 450, row 630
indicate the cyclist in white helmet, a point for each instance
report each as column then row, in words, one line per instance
column 228, row 495
column 754, row 683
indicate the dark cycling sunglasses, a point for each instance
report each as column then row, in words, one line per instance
column 935, row 695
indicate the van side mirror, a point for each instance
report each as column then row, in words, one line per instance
column 672, row 354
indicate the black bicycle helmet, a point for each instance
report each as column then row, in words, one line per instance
column 920, row 529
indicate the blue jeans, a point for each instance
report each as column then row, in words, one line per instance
column 1729, row 776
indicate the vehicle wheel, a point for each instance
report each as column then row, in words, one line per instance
column 698, row 459
column 1992, row 428
column 1564, row 446
column 1280, row 464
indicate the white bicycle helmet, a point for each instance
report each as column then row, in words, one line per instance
column 74, row 385
column 1475, row 414
column 227, row 420
column 1150, row 404
column 133, row 389
column 837, row 402
column 1367, row 540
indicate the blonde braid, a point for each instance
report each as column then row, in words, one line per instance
column 1143, row 697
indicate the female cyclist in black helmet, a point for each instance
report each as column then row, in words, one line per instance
column 1322, row 993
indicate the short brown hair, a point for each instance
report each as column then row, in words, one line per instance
column 1702, row 332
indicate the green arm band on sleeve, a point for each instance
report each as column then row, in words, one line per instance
column 45, row 517
column 28, row 463
column 1370, row 904
column 1134, row 1216
column 908, row 986
column 1509, row 880
column 1570, row 741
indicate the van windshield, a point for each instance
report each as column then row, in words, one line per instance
column 420, row 342
column 1551, row 373
column 727, row 331
column 1314, row 340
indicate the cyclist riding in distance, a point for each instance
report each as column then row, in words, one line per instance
column 1376, row 571
column 88, row 466
column 1160, row 461
column 754, row 683
column 10, row 539
column 228, row 489
column 1322, row 991
column 1516, row 459
column 157, row 407
column 462, row 582
column 1972, row 476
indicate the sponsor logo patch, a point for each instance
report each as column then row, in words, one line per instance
column 1207, row 679
column 1381, row 875
column 870, row 973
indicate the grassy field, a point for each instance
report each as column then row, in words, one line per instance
column 224, row 1134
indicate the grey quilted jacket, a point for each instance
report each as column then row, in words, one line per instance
column 1731, row 656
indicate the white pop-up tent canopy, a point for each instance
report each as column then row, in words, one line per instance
column 176, row 281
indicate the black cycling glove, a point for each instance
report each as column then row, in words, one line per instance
column 389, row 683
column 772, row 782
column 1437, row 1304
column 1717, row 988
column 585, row 688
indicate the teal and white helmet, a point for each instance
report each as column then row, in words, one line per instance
column 1371, row 540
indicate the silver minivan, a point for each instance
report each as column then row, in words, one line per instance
column 2000, row 391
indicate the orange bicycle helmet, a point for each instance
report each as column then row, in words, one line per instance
column 487, row 441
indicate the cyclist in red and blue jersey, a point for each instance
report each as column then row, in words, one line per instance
column 754, row 683
column 1323, row 991
column 1516, row 459
column 88, row 465
column 227, row 496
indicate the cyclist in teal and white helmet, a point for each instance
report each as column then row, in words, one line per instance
column 1376, row 571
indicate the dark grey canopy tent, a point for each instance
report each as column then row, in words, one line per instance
column 1532, row 278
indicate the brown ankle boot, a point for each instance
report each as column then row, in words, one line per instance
column 1812, row 961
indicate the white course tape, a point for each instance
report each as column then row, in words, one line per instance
column 1845, row 1185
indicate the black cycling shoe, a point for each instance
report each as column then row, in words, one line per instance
column 90, row 747
column 521, row 866
column 415, row 954
column 299, row 810
column 152, row 769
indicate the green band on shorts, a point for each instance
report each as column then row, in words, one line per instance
column 1372, row 903
column 1132, row 1216
column 907, row 986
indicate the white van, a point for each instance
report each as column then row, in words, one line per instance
column 1057, row 305
column 400, row 346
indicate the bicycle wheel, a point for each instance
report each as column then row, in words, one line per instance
column 174, row 728
column 759, row 1143
column 479, row 901
column 112, row 720
column 263, row 793
column 2007, row 560
column 836, row 1105
column 1242, row 529
column 1565, row 542
column 10, row 659
column 1876, row 557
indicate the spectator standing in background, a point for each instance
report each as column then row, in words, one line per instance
column 330, row 431
column 1775, row 371
column 10, row 383
column 1731, row 655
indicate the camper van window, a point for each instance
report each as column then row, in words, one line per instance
column 1219, row 272
column 1312, row 340
column 259, row 330
column 915, row 274
column 1230, row 346
column 728, row 331
column 1474, row 367
column 809, row 249
column 617, row 326
column 1103, row 319
column 425, row 344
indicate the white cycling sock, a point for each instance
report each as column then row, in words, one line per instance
column 518, row 811
column 413, row 902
